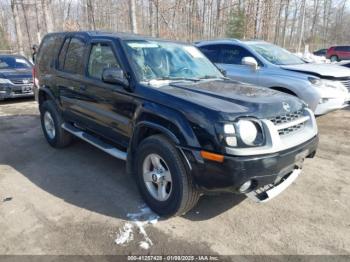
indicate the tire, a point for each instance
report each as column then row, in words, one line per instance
column 334, row 58
column 182, row 196
column 58, row 138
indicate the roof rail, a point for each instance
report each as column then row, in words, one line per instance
column 217, row 39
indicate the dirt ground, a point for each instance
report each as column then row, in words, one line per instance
column 78, row 201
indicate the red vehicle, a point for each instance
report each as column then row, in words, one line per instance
column 337, row 53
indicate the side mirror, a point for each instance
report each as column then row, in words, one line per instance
column 223, row 71
column 114, row 76
column 250, row 61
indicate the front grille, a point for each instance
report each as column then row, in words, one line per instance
column 346, row 83
column 21, row 81
column 292, row 129
column 287, row 117
column 281, row 122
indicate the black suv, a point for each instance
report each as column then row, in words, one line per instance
column 183, row 128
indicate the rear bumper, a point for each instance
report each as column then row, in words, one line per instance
column 262, row 170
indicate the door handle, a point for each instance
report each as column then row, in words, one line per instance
column 82, row 87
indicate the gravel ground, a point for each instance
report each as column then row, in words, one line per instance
column 77, row 200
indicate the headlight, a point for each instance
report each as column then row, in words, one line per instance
column 315, row 81
column 326, row 83
column 244, row 133
column 4, row 81
column 250, row 132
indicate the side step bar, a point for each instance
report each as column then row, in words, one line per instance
column 109, row 149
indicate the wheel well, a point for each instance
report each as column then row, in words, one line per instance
column 140, row 134
column 144, row 132
column 284, row 90
column 42, row 97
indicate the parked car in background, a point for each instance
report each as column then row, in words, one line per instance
column 15, row 77
column 183, row 128
column 320, row 52
column 338, row 53
column 345, row 63
column 324, row 87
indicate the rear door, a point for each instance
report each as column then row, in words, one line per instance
column 109, row 107
column 70, row 72
column 347, row 53
column 343, row 52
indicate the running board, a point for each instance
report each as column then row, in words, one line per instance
column 109, row 149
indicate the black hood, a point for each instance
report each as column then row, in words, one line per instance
column 232, row 98
column 16, row 73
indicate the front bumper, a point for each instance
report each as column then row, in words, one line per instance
column 14, row 91
column 262, row 170
column 331, row 105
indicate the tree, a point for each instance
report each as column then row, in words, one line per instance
column 17, row 24
column 46, row 7
column 132, row 15
column 236, row 25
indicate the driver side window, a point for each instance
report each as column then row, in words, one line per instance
column 101, row 57
column 232, row 54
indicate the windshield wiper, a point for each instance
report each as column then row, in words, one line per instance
column 177, row 78
column 214, row 77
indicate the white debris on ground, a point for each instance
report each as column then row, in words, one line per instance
column 139, row 221
column 125, row 234
column 311, row 58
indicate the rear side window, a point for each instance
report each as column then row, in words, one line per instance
column 212, row 52
column 232, row 54
column 101, row 57
column 343, row 48
column 48, row 51
column 73, row 62
column 62, row 54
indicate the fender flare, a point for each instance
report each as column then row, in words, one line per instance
column 49, row 93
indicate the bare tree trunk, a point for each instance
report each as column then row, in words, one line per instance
column 302, row 24
column 328, row 4
column 157, row 17
column 285, row 23
column 278, row 23
column 90, row 15
column 291, row 39
column 25, row 16
column 257, row 14
column 17, row 27
column 132, row 15
column 47, row 16
column 38, row 27
column 151, row 18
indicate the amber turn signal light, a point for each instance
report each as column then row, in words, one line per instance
column 212, row 156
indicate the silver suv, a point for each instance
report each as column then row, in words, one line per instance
column 324, row 87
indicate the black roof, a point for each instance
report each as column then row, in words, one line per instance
column 119, row 35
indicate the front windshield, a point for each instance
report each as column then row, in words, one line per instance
column 276, row 54
column 12, row 62
column 158, row 60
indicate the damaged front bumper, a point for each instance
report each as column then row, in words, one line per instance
column 264, row 171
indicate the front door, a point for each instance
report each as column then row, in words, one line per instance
column 231, row 62
column 110, row 107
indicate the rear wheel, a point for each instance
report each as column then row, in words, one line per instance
column 334, row 58
column 51, row 122
column 163, row 180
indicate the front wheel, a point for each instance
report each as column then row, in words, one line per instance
column 163, row 180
